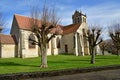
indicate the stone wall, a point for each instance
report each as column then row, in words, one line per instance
column 84, row 43
column 54, row 45
column 68, row 40
column 7, row 50
column 27, row 52
column 24, row 45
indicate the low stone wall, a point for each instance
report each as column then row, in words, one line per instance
column 8, row 51
column 22, row 76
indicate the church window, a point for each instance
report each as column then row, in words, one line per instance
column 78, row 20
column 75, row 20
column 74, row 41
column 84, row 20
column 58, row 42
column 83, row 30
column 31, row 41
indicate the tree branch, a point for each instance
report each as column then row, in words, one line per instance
column 51, row 37
column 99, row 42
column 33, row 41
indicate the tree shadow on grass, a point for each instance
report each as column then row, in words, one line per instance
column 79, row 60
column 15, row 64
column 56, row 62
column 106, row 58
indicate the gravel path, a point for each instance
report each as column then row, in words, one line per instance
column 100, row 75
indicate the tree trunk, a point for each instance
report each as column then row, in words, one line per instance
column 118, row 52
column 90, row 51
column 44, row 57
column 93, row 56
column 103, row 52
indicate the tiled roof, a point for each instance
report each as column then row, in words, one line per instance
column 7, row 39
column 70, row 28
column 25, row 22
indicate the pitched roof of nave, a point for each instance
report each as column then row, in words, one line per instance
column 71, row 28
column 7, row 39
column 25, row 23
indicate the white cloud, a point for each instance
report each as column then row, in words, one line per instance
column 102, row 13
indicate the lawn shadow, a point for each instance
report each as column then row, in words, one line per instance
column 15, row 64
column 78, row 60
column 57, row 62
column 106, row 58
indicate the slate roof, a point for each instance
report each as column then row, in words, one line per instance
column 7, row 39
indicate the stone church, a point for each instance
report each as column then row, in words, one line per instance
column 71, row 41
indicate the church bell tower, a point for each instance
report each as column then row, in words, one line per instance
column 78, row 17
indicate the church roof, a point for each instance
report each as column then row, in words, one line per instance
column 25, row 22
column 71, row 28
column 7, row 39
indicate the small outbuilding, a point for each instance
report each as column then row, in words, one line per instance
column 7, row 46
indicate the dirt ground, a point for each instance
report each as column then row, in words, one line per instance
column 100, row 75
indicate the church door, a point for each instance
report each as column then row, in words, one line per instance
column 66, row 48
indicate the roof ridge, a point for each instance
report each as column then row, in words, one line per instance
column 22, row 15
column 26, row 17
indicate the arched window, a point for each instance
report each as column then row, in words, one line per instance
column 84, row 20
column 83, row 30
column 58, row 42
column 31, row 41
column 78, row 20
column 75, row 20
column 74, row 40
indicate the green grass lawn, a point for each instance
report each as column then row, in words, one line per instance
column 15, row 65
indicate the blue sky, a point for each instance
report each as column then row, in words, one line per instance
column 101, row 12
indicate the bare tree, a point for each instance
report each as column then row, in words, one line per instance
column 93, row 36
column 114, row 33
column 103, row 46
column 2, row 22
column 45, row 27
column 110, row 46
